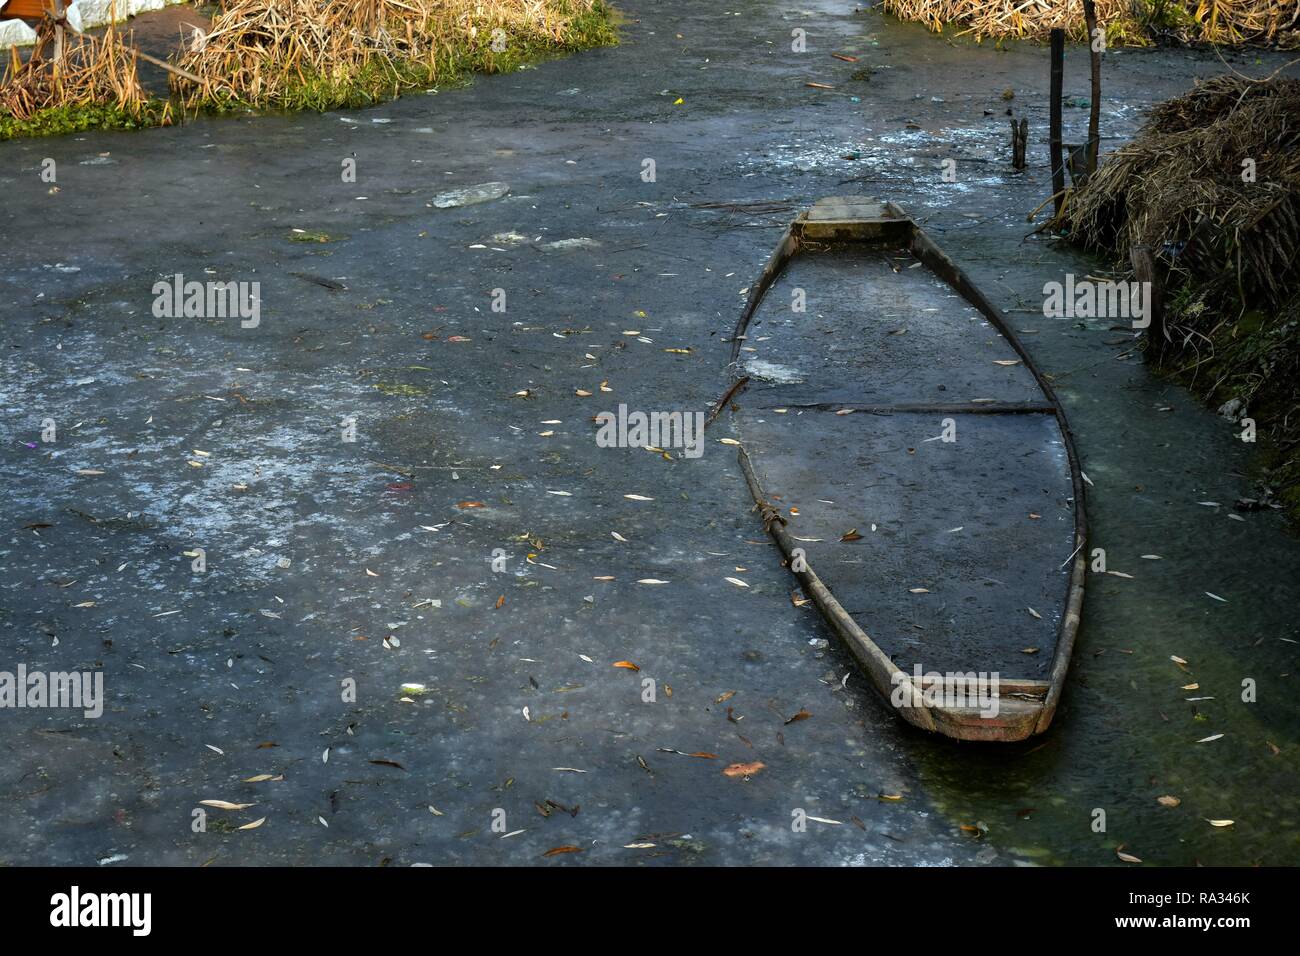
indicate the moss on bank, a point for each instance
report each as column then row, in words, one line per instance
column 57, row 120
column 1245, row 363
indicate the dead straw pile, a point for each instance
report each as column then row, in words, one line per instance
column 1213, row 175
column 324, row 53
column 95, row 71
column 1212, row 184
column 1270, row 22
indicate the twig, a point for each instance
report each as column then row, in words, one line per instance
column 722, row 402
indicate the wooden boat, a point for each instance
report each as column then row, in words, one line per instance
column 934, row 511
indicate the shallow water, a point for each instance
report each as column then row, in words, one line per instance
column 570, row 138
column 1164, row 472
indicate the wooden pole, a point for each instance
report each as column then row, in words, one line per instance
column 1094, row 116
column 58, row 36
column 1019, row 143
column 1054, row 131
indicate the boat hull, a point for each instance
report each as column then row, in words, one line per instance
column 915, row 469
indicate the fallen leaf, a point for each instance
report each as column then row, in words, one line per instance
column 1168, row 801
column 743, row 769
column 254, row 825
column 560, row 850
column 628, row 665
column 802, row 715
column 226, row 804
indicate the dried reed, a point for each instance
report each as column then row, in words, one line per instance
column 322, row 53
column 1273, row 22
column 94, row 71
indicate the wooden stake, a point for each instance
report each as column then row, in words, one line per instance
column 1019, row 143
column 169, row 67
column 1054, row 132
column 1094, row 115
column 58, row 35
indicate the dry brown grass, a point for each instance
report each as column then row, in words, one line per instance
column 94, row 71
column 1273, row 22
column 1019, row 18
column 319, row 53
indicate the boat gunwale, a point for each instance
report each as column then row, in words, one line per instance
column 883, row 672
